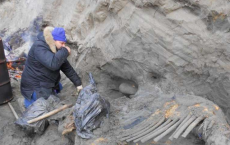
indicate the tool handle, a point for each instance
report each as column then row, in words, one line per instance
column 12, row 109
column 49, row 113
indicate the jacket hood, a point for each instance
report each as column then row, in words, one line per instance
column 47, row 37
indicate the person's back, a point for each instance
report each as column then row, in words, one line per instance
column 43, row 65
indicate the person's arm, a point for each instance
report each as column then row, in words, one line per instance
column 52, row 61
column 68, row 70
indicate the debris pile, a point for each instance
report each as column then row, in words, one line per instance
column 15, row 64
column 16, row 67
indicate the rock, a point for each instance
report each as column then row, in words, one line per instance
column 126, row 88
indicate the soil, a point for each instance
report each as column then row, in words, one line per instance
column 124, row 111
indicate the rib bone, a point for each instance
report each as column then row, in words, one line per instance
column 140, row 130
column 144, row 124
column 178, row 133
column 164, row 124
column 146, row 131
column 192, row 125
column 169, row 130
column 185, row 120
column 140, row 127
column 147, row 137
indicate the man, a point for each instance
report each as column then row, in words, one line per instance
column 46, row 58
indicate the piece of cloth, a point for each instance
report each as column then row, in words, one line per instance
column 42, row 70
column 59, row 34
column 27, row 103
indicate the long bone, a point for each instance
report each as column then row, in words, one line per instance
column 183, row 122
column 149, row 136
column 192, row 125
column 144, row 124
column 147, row 131
column 139, row 127
column 178, row 133
column 169, row 130
column 163, row 125
column 142, row 129
column 211, row 124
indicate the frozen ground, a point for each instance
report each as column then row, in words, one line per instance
column 160, row 47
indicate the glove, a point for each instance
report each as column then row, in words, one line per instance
column 77, row 90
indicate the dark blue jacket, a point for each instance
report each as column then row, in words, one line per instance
column 42, row 70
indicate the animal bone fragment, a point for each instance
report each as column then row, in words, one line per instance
column 140, row 134
column 178, row 133
column 143, row 125
column 169, row 130
column 183, row 122
column 158, row 131
column 183, row 116
column 199, row 119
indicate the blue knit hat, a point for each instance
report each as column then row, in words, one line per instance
column 59, row 34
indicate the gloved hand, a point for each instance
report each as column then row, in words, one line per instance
column 77, row 90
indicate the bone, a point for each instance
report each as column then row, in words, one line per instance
column 169, row 130
column 161, row 120
column 164, row 124
column 183, row 122
column 178, row 133
column 144, row 124
column 205, row 127
column 140, row 134
column 155, row 133
column 141, row 128
column 137, row 128
column 192, row 125
column 211, row 124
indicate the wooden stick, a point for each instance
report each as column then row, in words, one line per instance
column 184, row 126
column 192, row 125
column 12, row 109
column 49, row 113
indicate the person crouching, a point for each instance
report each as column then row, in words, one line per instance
column 46, row 58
